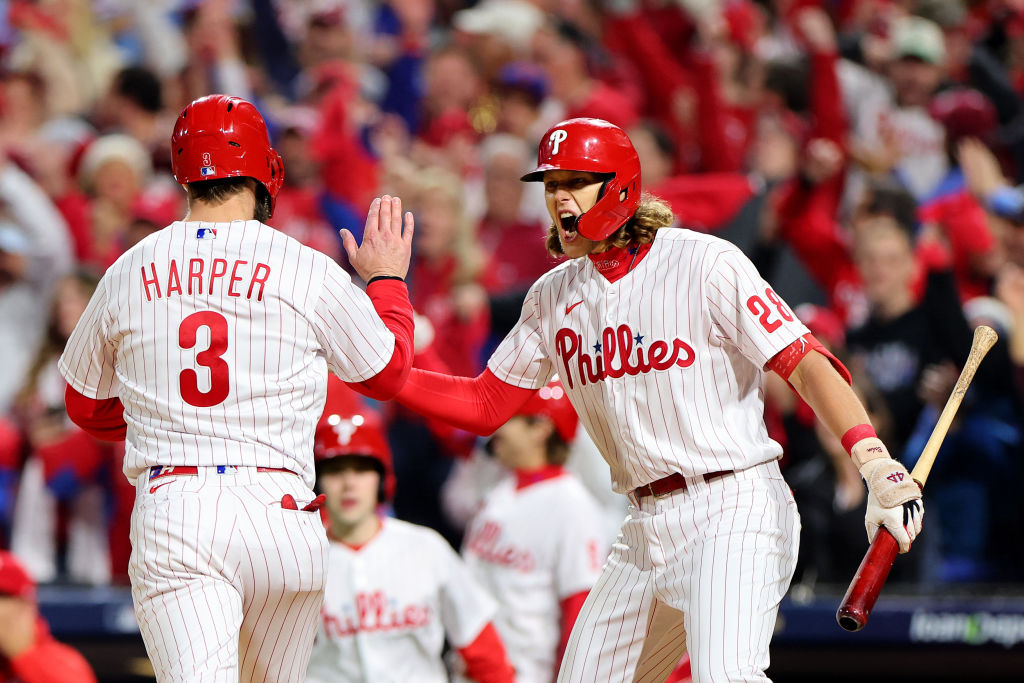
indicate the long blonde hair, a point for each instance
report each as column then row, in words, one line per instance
column 650, row 216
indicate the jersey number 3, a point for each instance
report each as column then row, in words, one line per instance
column 188, row 380
column 758, row 307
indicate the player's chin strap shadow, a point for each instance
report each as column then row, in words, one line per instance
column 288, row 503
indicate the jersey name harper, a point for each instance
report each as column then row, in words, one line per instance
column 374, row 611
column 618, row 344
column 197, row 273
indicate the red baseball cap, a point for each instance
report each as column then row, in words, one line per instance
column 14, row 580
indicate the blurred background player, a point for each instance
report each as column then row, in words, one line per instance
column 395, row 591
column 28, row 653
column 540, row 574
column 228, row 553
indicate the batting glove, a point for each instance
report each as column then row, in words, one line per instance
column 894, row 501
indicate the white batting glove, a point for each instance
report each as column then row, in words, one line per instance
column 894, row 501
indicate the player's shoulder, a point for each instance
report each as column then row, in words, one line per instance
column 557, row 276
column 684, row 238
column 414, row 536
column 150, row 244
column 568, row 489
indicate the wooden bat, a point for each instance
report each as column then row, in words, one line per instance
column 860, row 597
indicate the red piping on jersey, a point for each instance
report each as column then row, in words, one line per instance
column 100, row 418
column 526, row 478
column 390, row 299
column 617, row 261
column 486, row 659
column 478, row 404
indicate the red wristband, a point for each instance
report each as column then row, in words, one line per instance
column 855, row 434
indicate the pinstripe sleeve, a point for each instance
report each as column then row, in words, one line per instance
column 745, row 309
column 520, row 359
column 357, row 343
column 87, row 363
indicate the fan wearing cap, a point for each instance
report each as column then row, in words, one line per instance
column 538, row 542
column 28, row 653
column 395, row 591
column 206, row 348
column 662, row 338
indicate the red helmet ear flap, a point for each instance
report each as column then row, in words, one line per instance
column 595, row 146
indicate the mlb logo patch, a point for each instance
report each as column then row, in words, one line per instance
column 207, row 171
column 206, row 233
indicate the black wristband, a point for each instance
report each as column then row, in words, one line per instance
column 384, row 277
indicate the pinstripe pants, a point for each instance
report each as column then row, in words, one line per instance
column 227, row 585
column 700, row 570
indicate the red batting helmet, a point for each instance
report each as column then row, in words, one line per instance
column 552, row 402
column 219, row 136
column 356, row 433
column 596, row 146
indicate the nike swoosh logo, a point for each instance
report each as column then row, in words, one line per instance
column 154, row 488
column 569, row 308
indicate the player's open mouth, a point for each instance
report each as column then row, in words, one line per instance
column 568, row 222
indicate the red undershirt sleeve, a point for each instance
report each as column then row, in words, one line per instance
column 102, row 419
column 570, row 607
column 478, row 404
column 390, row 299
column 485, row 658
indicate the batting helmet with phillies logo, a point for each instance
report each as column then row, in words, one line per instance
column 219, row 136
column 595, row 146
column 349, row 428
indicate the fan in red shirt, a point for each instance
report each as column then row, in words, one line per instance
column 28, row 653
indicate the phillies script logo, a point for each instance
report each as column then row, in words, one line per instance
column 620, row 352
column 374, row 611
column 485, row 543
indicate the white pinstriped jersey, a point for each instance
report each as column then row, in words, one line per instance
column 389, row 605
column 530, row 565
column 217, row 338
column 665, row 366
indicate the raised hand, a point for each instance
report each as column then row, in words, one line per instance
column 386, row 248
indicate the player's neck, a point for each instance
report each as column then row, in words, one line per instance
column 358, row 534
column 237, row 207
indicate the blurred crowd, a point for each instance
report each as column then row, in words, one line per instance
column 864, row 153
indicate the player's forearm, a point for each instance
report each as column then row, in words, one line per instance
column 478, row 404
column 390, row 299
column 828, row 394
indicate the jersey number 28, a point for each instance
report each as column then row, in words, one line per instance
column 188, row 380
column 758, row 307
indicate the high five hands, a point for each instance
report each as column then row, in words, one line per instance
column 386, row 248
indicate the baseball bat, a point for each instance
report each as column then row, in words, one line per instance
column 860, row 597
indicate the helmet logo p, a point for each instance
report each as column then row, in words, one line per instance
column 557, row 137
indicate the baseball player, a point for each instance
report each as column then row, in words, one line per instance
column 539, row 572
column 662, row 338
column 394, row 589
column 206, row 347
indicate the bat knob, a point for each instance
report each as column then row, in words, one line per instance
column 851, row 618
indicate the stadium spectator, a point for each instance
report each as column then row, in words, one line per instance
column 28, row 653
